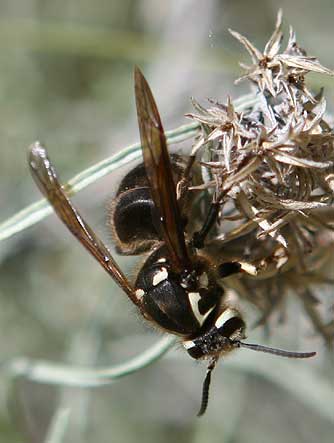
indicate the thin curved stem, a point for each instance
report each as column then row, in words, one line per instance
column 58, row 426
column 52, row 373
column 35, row 212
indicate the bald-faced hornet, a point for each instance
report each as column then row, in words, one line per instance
column 177, row 288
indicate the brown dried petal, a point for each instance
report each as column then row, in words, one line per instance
column 243, row 173
column 253, row 214
column 274, row 43
column 252, row 50
column 301, row 162
column 304, row 63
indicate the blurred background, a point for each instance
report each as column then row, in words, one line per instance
column 66, row 79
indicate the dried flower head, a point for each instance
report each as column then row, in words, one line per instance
column 271, row 169
column 273, row 71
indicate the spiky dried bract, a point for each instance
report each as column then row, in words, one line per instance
column 271, row 167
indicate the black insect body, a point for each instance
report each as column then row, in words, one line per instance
column 178, row 286
column 132, row 214
column 180, row 303
column 134, row 223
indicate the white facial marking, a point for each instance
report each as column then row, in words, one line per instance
column 162, row 260
column 249, row 268
column 188, row 344
column 194, row 298
column 160, row 276
column 203, row 280
column 225, row 316
column 139, row 293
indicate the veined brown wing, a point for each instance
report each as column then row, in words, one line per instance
column 159, row 172
column 46, row 179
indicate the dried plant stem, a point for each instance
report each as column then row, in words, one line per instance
column 58, row 426
column 35, row 212
column 52, row 373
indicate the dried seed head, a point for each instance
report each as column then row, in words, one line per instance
column 272, row 168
